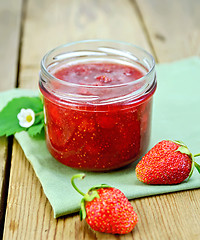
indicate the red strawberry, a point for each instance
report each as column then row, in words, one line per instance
column 168, row 162
column 106, row 209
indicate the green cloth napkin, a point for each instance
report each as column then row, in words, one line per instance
column 176, row 115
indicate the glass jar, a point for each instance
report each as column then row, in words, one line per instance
column 105, row 123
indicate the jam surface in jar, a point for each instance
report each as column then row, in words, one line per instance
column 97, row 137
column 98, row 74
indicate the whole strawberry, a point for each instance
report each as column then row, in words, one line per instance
column 106, row 209
column 168, row 162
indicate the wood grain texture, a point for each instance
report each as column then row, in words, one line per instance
column 169, row 216
column 10, row 18
column 25, row 194
column 48, row 24
column 173, row 27
column 29, row 214
column 3, row 187
column 10, row 21
column 51, row 23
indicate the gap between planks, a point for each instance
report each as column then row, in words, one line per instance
column 13, row 31
column 145, row 29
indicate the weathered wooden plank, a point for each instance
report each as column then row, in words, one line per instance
column 10, row 20
column 29, row 215
column 25, row 194
column 51, row 23
column 47, row 24
column 169, row 216
column 173, row 27
column 10, row 17
column 3, row 187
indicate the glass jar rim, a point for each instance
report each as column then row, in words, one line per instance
column 47, row 74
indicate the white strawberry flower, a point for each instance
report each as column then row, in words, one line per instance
column 26, row 117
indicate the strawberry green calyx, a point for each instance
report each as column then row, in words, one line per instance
column 184, row 149
column 89, row 196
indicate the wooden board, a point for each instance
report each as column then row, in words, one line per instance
column 10, row 23
column 48, row 25
column 3, row 176
column 10, row 17
column 29, row 214
column 173, row 27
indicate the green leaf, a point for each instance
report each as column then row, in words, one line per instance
column 192, row 167
column 83, row 210
column 197, row 166
column 184, row 149
column 39, row 118
column 179, row 142
column 35, row 129
column 9, row 123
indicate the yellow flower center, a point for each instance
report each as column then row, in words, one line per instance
column 29, row 118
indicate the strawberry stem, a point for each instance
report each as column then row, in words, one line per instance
column 39, row 113
column 81, row 176
column 197, row 155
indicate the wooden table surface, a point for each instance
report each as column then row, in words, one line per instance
column 169, row 29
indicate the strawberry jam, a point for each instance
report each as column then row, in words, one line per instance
column 98, row 114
